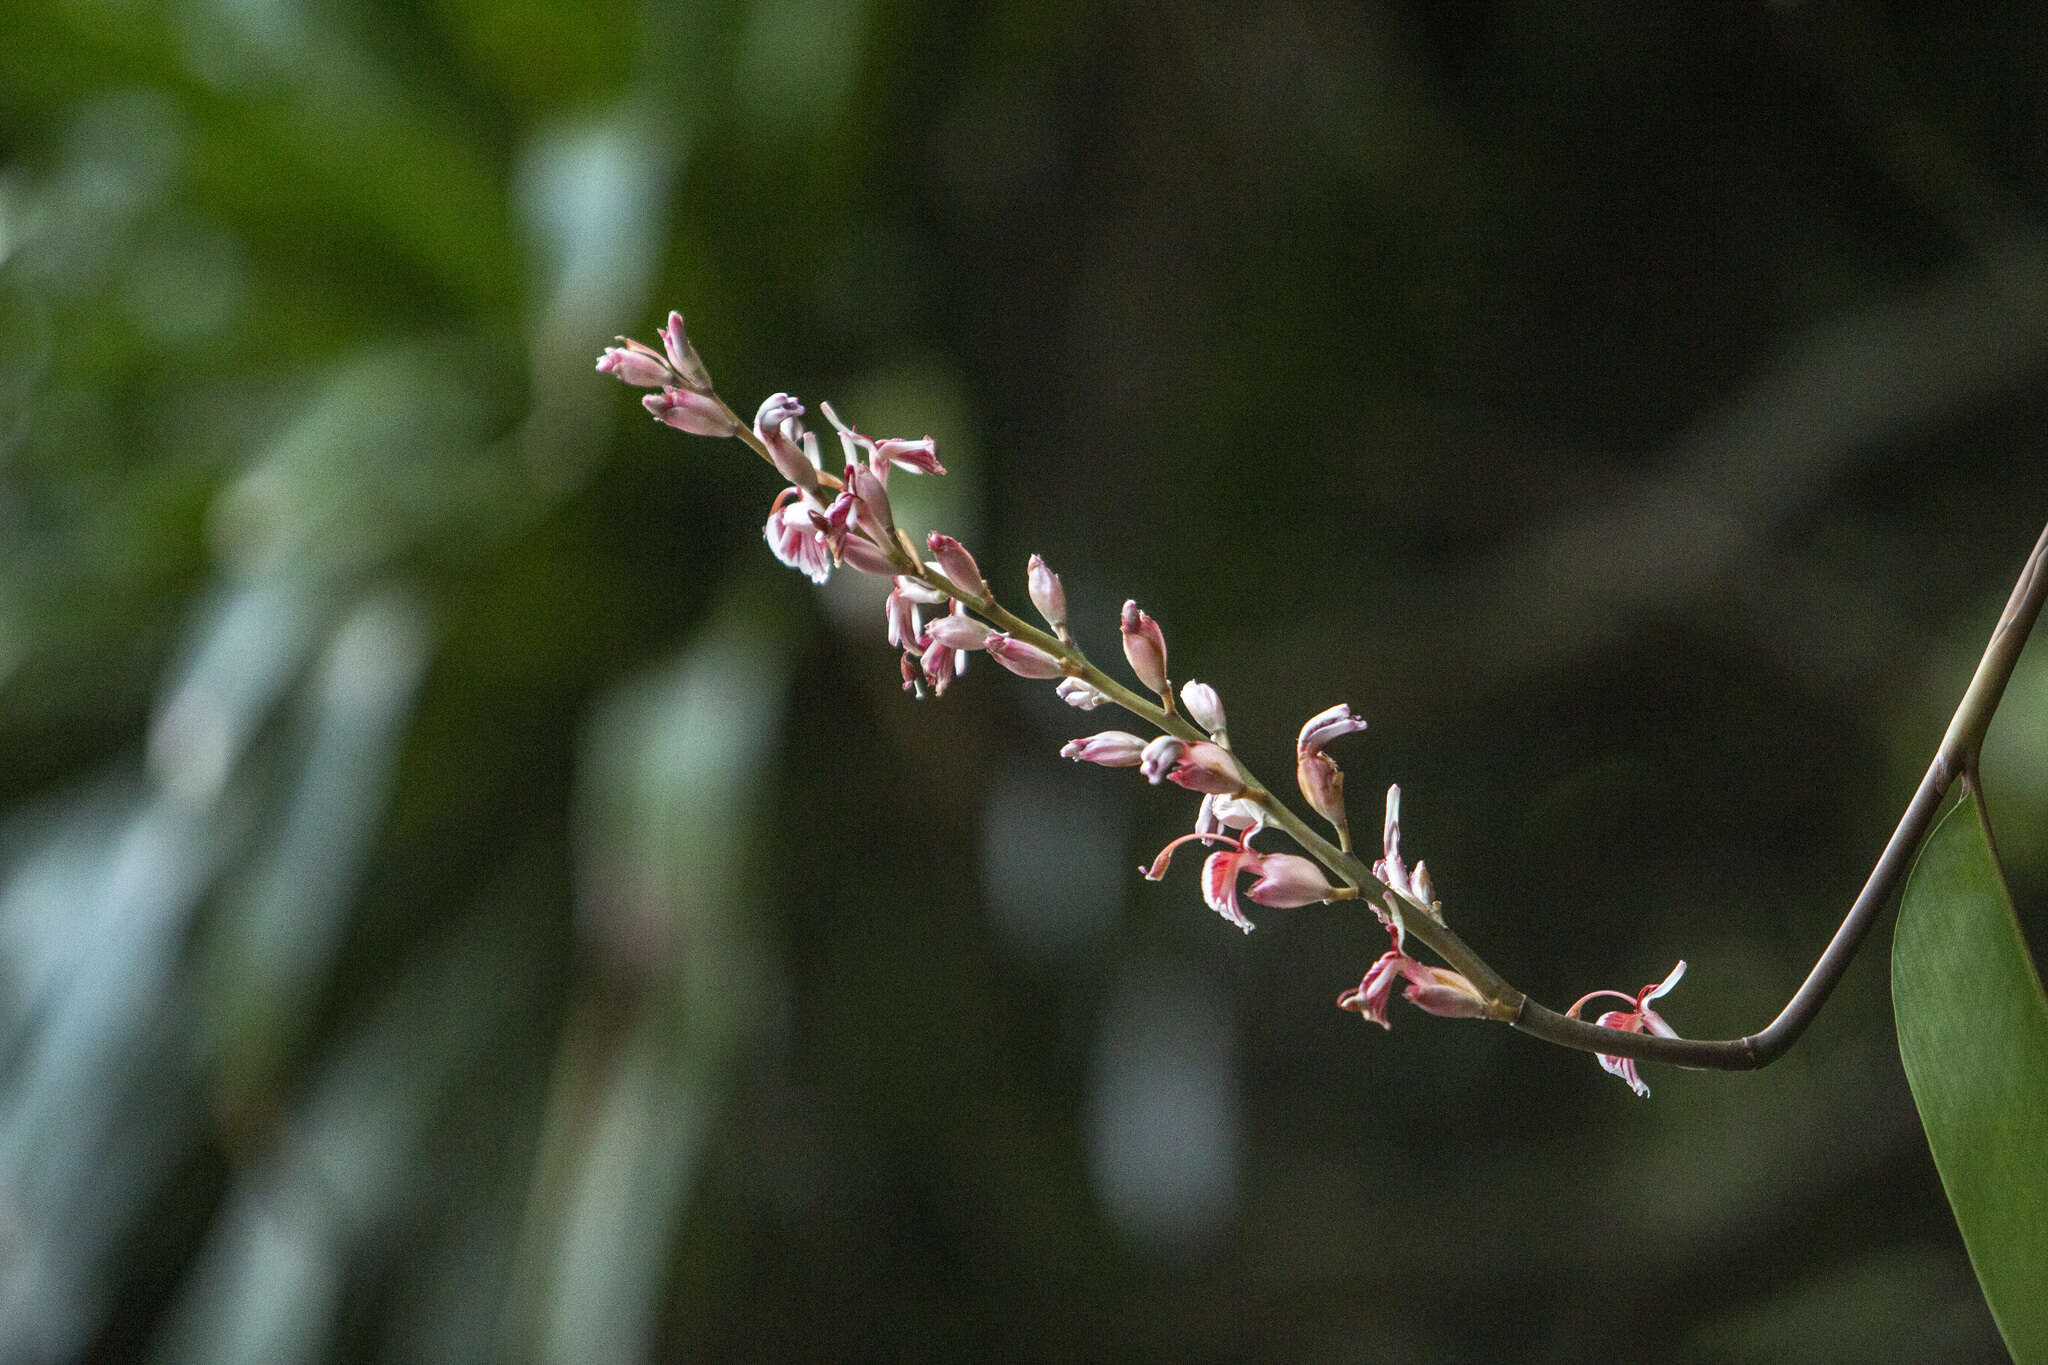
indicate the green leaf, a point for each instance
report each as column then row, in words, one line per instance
column 1973, row 1032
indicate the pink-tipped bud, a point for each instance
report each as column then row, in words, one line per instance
column 916, row 457
column 866, row 557
column 958, row 632
column 1160, row 756
column 1047, row 594
column 631, row 363
column 1287, row 880
column 699, row 414
column 1200, row 701
column 1322, row 784
column 683, row 356
column 1111, row 748
column 779, row 426
column 1145, row 647
column 901, row 614
column 1082, row 696
column 1207, row 767
column 959, row 568
column 1325, row 726
column 1441, row 991
column 873, row 514
column 1025, row 660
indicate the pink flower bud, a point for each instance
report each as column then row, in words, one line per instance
column 959, row 632
column 683, row 356
column 1200, row 701
column 960, row 569
column 1047, row 594
column 1441, row 991
column 1287, row 880
column 1322, row 784
column 1080, row 695
column 1145, row 647
column 874, row 514
column 779, row 427
column 1207, row 767
column 1160, row 757
column 1025, row 660
column 631, row 363
column 697, row 413
column 1325, row 726
column 866, row 557
column 1111, row 748
column 917, row 457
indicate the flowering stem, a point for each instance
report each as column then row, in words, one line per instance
column 884, row 548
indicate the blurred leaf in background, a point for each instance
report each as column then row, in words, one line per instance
column 460, row 901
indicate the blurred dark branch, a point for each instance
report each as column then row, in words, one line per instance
column 1957, row 757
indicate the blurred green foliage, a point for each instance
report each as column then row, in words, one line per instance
column 460, row 901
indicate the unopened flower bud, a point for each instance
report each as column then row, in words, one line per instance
column 1160, row 756
column 862, row 555
column 1207, row 767
column 1145, row 647
column 874, row 513
column 631, row 363
column 1200, row 701
column 1082, row 696
column 959, row 632
column 1418, row 880
column 683, row 356
column 1441, row 991
column 1025, row 660
column 1047, row 595
column 1287, row 880
column 959, row 567
column 1322, row 784
column 696, row 413
column 1111, row 748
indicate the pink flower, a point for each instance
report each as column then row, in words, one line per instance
column 793, row 451
column 1434, row 990
column 957, row 565
column 1080, row 694
column 1161, row 756
column 793, row 539
column 682, row 356
column 1208, row 768
column 686, row 410
column 1111, row 748
column 957, row 630
column 1320, row 779
column 1284, row 880
column 1025, row 660
column 1047, row 594
column 1202, row 704
column 1288, row 880
column 916, row 457
column 1641, row 1019
column 1325, row 726
column 629, row 362
column 1145, row 647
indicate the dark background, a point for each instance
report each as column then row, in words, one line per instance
column 460, row 900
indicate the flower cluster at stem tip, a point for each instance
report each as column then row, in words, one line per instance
column 939, row 610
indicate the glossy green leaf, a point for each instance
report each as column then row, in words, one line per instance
column 1973, row 1032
